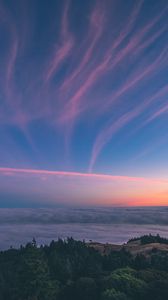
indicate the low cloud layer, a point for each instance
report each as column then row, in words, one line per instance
column 115, row 215
column 112, row 225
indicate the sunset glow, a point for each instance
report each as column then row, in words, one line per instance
column 60, row 187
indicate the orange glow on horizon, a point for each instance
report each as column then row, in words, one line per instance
column 88, row 188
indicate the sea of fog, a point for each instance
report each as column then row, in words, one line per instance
column 112, row 225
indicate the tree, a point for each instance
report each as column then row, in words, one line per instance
column 112, row 294
column 85, row 288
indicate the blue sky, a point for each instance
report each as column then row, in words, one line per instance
column 83, row 89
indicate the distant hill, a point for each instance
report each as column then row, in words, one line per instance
column 145, row 245
column 149, row 239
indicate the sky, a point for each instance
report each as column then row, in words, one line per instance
column 83, row 102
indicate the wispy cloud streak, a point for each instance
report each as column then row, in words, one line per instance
column 13, row 171
column 111, row 60
column 100, row 69
column 108, row 132
column 63, row 50
column 105, row 135
column 11, row 56
column 96, row 28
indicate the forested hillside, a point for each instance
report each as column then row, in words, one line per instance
column 70, row 269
